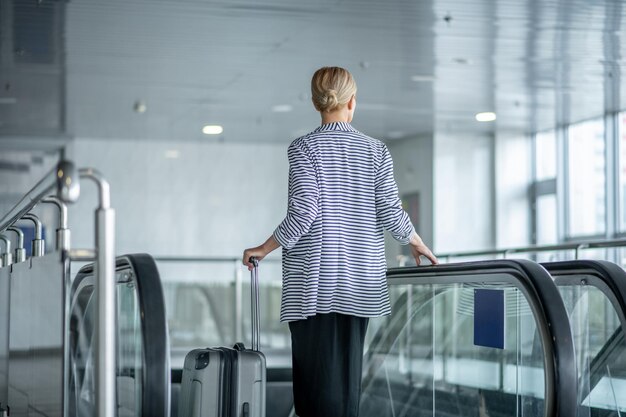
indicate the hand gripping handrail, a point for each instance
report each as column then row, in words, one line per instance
column 63, row 233
column 38, row 244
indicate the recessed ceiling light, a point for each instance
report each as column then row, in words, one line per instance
column 423, row 78
column 461, row 61
column 140, row 106
column 282, row 108
column 172, row 154
column 487, row 116
column 212, row 129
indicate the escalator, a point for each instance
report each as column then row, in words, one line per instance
column 555, row 341
column 474, row 339
column 594, row 294
column 143, row 372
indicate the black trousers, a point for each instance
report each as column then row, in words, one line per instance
column 327, row 354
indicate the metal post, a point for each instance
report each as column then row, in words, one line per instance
column 38, row 245
column 63, row 233
column 578, row 249
column 105, row 370
column 7, row 258
column 20, row 252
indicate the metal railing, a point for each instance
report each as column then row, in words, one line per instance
column 576, row 247
column 62, row 185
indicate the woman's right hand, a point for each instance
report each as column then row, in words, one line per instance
column 419, row 248
column 259, row 252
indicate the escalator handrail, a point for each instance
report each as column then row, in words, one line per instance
column 156, row 374
column 561, row 386
column 156, row 401
column 609, row 273
column 614, row 277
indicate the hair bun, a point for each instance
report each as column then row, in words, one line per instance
column 331, row 99
column 331, row 87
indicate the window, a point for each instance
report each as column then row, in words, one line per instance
column 546, row 232
column 545, row 145
column 586, row 178
column 546, row 220
column 621, row 131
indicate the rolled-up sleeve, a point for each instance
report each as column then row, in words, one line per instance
column 303, row 198
column 388, row 205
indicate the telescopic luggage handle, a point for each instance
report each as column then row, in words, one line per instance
column 254, row 297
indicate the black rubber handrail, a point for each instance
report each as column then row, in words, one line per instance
column 614, row 278
column 609, row 273
column 547, row 306
column 156, row 370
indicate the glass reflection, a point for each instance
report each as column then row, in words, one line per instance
column 600, row 349
column 130, row 365
column 423, row 361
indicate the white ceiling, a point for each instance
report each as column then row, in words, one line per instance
column 536, row 63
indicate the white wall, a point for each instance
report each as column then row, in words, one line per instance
column 413, row 170
column 464, row 215
column 202, row 203
column 213, row 200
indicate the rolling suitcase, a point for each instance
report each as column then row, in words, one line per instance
column 225, row 382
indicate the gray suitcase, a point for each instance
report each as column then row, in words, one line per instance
column 225, row 382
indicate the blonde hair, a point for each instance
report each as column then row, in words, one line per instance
column 332, row 87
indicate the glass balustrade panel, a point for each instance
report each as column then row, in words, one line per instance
column 600, row 349
column 423, row 359
column 201, row 304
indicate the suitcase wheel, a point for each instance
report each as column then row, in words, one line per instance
column 202, row 361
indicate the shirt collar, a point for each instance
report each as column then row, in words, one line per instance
column 342, row 126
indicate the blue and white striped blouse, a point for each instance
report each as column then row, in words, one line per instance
column 342, row 194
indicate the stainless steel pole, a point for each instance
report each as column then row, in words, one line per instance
column 7, row 257
column 63, row 233
column 20, row 252
column 105, row 370
column 38, row 245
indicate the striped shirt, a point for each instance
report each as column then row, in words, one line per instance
column 342, row 194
